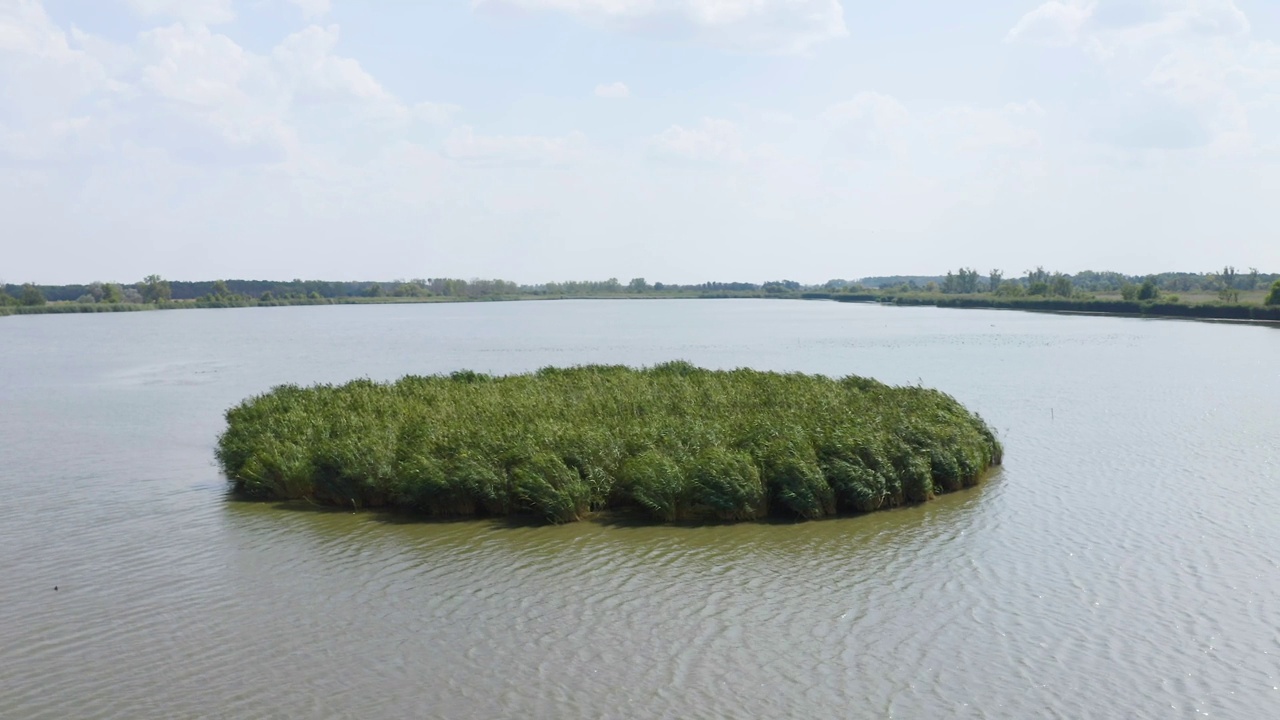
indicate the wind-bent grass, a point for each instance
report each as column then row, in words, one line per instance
column 676, row 441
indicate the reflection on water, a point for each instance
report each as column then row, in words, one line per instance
column 1118, row 565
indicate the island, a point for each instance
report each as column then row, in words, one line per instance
column 672, row 442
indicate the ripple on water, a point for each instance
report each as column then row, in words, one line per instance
column 1119, row 564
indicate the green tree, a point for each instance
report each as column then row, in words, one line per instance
column 1228, row 277
column 155, row 289
column 448, row 287
column 31, row 296
column 375, row 290
column 1274, row 297
column 5, row 298
column 637, row 285
column 1037, row 281
column 1148, row 291
column 220, row 295
column 964, row 281
column 950, row 284
column 1060, row 285
column 112, row 294
column 1252, row 282
column 995, row 279
column 408, row 289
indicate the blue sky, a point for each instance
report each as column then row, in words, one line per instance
column 678, row 140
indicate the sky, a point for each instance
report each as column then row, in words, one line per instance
column 676, row 140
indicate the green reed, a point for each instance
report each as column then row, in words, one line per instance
column 674, row 441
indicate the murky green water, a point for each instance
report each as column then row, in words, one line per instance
column 1122, row 564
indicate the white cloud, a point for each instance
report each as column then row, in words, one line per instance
column 771, row 26
column 711, row 141
column 142, row 153
column 190, row 91
column 777, row 117
column 880, row 112
column 1106, row 27
column 434, row 113
column 309, row 70
column 45, row 77
column 1053, row 23
column 312, row 8
column 307, row 59
column 1180, row 73
column 869, row 123
column 466, row 145
column 991, row 130
column 211, row 12
column 199, row 92
column 875, row 139
column 616, row 91
column 194, row 66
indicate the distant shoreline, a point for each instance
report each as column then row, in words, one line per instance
column 1241, row 313
column 75, row 308
column 1219, row 312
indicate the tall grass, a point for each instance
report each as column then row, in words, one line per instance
column 78, row 308
column 675, row 441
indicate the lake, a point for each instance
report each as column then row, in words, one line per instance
column 1124, row 562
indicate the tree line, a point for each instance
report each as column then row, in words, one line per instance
column 151, row 289
column 1228, row 283
column 228, row 292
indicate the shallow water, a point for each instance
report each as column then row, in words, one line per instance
column 1122, row 563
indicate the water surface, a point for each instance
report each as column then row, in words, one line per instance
column 1122, row 563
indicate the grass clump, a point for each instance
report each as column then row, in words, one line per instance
column 674, row 441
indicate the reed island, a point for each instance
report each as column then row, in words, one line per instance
column 672, row 441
